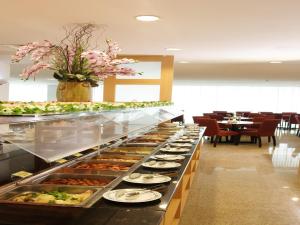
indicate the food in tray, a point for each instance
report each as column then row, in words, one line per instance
column 162, row 133
column 77, row 181
column 132, row 150
column 155, row 136
column 147, row 140
column 52, row 197
column 118, row 158
column 101, row 166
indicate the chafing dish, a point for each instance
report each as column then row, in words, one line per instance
column 66, row 179
column 143, row 150
column 8, row 197
column 118, row 158
column 96, row 167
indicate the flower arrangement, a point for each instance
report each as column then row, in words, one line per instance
column 72, row 59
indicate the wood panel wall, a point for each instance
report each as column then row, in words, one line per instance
column 165, row 81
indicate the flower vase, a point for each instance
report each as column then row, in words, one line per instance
column 70, row 91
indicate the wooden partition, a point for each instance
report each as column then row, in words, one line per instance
column 176, row 206
column 165, row 82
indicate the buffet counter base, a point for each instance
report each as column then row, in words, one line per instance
column 166, row 211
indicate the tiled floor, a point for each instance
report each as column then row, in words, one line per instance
column 246, row 185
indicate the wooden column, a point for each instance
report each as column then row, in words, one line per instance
column 165, row 81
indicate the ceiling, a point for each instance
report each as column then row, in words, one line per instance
column 232, row 39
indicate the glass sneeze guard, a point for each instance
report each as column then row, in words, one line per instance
column 61, row 137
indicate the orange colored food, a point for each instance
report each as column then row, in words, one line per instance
column 77, row 181
column 102, row 166
column 116, row 159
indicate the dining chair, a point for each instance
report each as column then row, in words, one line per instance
column 196, row 119
column 222, row 113
column 266, row 129
column 297, row 120
column 266, row 113
column 242, row 113
column 252, row 115
column 214, row 131
column 256, row 123
column 286, row 117
column 293, row 121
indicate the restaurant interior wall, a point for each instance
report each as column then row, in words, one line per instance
column 206, row 96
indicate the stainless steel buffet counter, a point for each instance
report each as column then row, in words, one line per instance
column 99, row 170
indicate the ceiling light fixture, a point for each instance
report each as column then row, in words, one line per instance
column 295, row 199
column 147, row 18
column 173, row 49
column 275, row 62
column 183, row 62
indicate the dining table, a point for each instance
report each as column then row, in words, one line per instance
column 236, row 125
column 242, row 118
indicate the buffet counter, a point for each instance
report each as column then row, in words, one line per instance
column 141, row 178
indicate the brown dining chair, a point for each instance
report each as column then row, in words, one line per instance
column 213, row 130
column 243, row 113
column 252, row 115
column 297, row 122
column 256, row 123
column 221, row 113
column 266, row 129
column 196, row 119
column 286, row 117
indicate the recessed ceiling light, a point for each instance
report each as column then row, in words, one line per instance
column 173, row 49
column 275, row 62
column 295, row 199
column 183, row 62
column 147, row 18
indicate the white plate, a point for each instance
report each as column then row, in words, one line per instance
column 168, row 157
column 175, row 150
column 180, row 145
column 161, row 164
column 147, row 178
column 132, row 195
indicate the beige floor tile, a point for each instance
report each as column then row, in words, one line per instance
column 246, row 185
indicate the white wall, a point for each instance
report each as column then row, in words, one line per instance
column 196, row 99
column 27, row 91
column 4, row 75
column 51, row 92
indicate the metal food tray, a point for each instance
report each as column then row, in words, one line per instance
column 7, row 196
column 114, row 157
column 158, row 135
column 39, row 180
column 142, row 144
column 132, row 149
column 71, row 170
column 150, row 140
